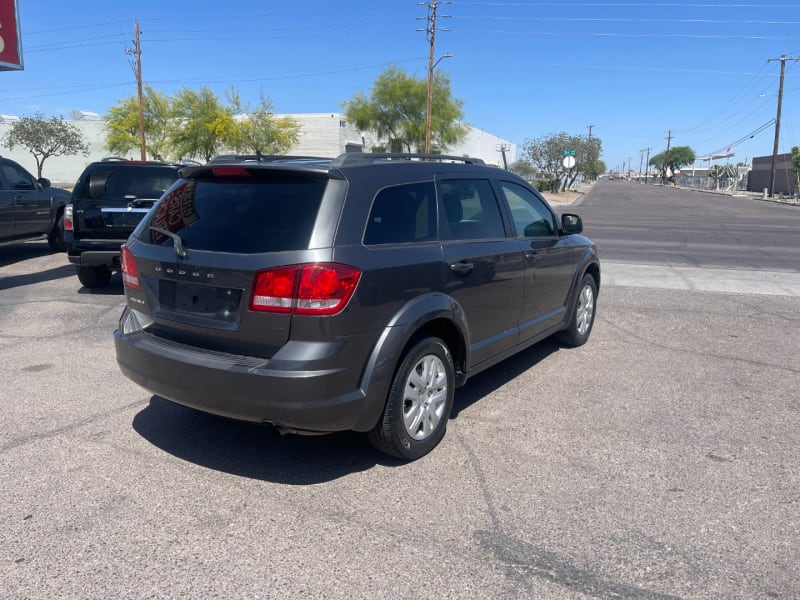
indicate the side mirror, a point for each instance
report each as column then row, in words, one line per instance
column 44, row 182
column 571, row 223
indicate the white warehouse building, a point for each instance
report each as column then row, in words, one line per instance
column 321, row 134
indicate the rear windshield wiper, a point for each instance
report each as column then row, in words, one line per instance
column 179, row 249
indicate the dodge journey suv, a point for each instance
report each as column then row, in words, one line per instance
column 319, row 295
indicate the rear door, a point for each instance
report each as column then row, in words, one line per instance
column 484, row 267
column 549, row 259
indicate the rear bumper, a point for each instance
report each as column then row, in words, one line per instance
column 293, row 394
column 94, row 253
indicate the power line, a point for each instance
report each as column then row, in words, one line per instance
column 691, row 5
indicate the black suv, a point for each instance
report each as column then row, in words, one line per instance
column 347, row 294
column 108, row 201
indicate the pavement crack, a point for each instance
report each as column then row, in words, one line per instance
column 28, row 439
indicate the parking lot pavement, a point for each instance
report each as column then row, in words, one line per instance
column 657, row 461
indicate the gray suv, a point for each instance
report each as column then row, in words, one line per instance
column 318, row 295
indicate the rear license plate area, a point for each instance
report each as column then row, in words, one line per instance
column 121, row 218
column 203, row 301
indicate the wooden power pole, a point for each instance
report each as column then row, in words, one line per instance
column 137, row 52
column 783, row 60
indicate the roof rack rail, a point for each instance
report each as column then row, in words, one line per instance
column 258, row 157
column 351, row 158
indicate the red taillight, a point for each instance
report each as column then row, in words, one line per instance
column 230, row 171
column 130, row 275
column 318, row 289
column 68, row 226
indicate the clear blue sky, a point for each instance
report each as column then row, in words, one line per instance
column 632, row 70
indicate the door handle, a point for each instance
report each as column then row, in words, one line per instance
column 462, row 268
column 531, row 255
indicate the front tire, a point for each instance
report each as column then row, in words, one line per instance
column 93, row 277
column 419, row 402
column 582, row 317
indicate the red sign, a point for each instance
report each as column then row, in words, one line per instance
column 10, row 39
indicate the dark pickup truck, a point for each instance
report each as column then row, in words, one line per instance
column 29, row 207
column 108, row 201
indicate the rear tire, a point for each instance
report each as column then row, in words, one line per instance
column 582, row 317
column 419, row 402
column 55, row 238
column 93, row 277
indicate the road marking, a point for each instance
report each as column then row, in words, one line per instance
column 704, row 279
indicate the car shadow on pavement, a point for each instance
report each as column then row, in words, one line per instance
column 251, row 450
column 18, row 252
column 489, row 381
column 254, row 451
column 13, row 281
column 113, row 288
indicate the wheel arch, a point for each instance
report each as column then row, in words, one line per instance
column 429, row 315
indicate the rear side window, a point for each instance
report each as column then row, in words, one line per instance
column 403, row 214
column 140, row 182
column 227, row 215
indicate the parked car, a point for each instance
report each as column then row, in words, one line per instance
column 108, row 201
column 354, row 294
column 30, row 208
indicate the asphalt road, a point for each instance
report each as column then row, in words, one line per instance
column 660, row 460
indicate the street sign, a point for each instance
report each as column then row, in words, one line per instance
column 569, row 152
column 568, row 162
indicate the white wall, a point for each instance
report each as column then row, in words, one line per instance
column 321, row 134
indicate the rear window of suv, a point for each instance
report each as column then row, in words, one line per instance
column 244, row 217
column 141, row 182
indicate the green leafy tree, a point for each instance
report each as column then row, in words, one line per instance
column 259, row 131
column 122, row 124
column 200, row 124
column 678, row 157
column 546, row 153
column 44, row 138
column 796, row 167
column 524, row 169
column 396, row 110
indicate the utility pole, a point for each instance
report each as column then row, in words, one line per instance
column 502, row 149
column 591, row 160
column 433, row 5
column 641, row 158
column 666, row 157
column 137, row 54
column 783, row 60
column 647, row 166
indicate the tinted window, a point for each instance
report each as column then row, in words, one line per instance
column 245, row 217
column 403, row 214
column 147, row 183
column 470, row 209
column 531, row 216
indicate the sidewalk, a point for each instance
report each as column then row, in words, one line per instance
column 568, row 197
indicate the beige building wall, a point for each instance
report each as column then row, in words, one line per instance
column 321, row 134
